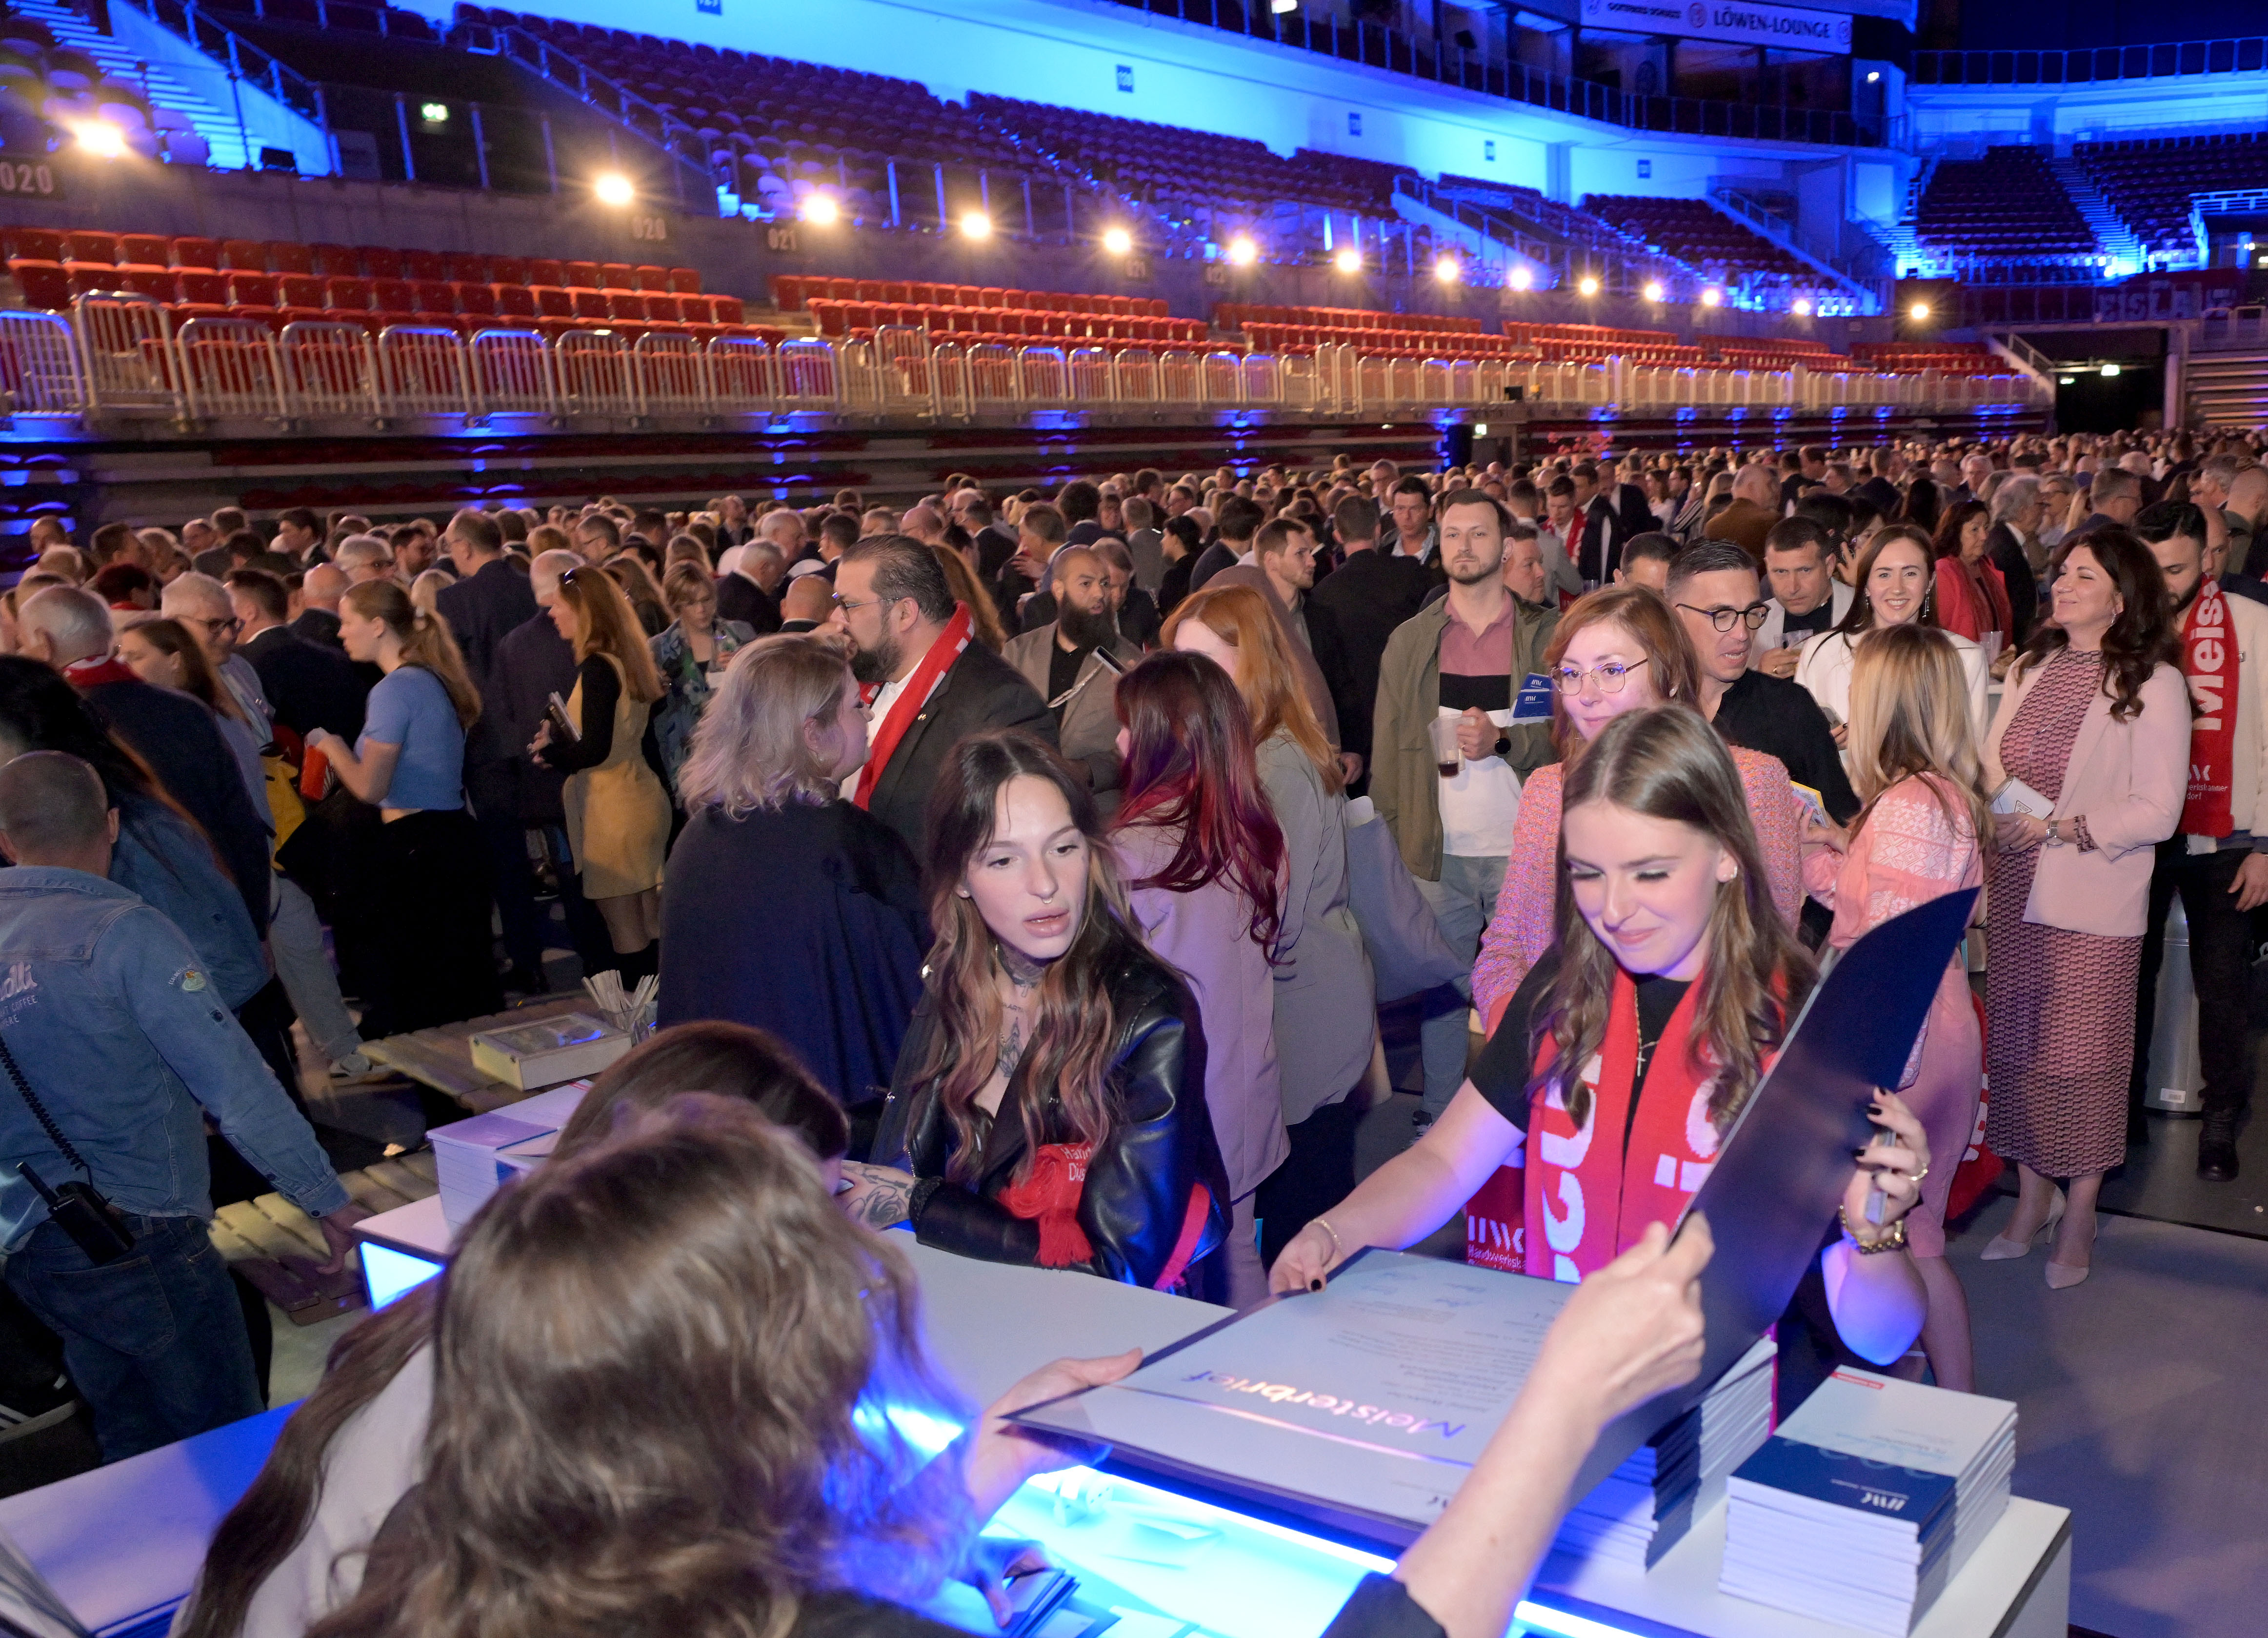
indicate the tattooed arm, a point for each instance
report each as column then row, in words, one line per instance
column 877, row 1196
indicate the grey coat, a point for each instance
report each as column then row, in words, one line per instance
column 1326, row 1010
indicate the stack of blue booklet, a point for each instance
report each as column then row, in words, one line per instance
column 1868, row 1500
column 1645, row 1506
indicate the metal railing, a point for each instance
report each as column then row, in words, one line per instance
column 2178, row 60
column 245, row 61
column 117, row 355
column 1494, row 72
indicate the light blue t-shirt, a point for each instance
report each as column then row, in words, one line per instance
column 410, row 708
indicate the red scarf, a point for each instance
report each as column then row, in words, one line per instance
column 907, row 706
column 2209, row 662
column 1051, row 1195
column 96, row 671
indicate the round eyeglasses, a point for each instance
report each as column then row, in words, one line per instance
column 1610, row 676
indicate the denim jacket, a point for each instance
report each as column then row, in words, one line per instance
column 164, row 860
column 121, row 1028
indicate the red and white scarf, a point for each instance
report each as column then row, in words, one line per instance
column 907, row 706
column 97, row 669
column 2209, row 662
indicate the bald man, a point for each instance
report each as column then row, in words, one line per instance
column 318, row 606
column 1074, row 662
column 1754, row 510
column 807, row 603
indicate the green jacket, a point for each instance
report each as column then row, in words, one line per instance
column 1405, row 785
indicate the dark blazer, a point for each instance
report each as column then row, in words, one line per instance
column 175, row 734
column 1600, row 550
column 1174, row 583
column 740, row 598
column 481, row 610
column 838, row 973
column 532, row 660
column 309, row 685
column 980, row 691
column 1631, row 510
column 320, row 625
column 1367, row 597
column 2007, row 553
column 1138, row 619
column 1211, row 561
column 1141, row 1179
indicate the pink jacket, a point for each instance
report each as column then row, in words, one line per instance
column 2130, row 779
column 1522, row 929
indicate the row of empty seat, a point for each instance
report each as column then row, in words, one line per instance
column 2010, row 203
column 1602, row 334
column 93, row 248
column 1912, row 358
column 1231, row 315
column 1699, row 235
column 2148, row 181
column 792, row 291
column 856, row 318
column 1431, row 343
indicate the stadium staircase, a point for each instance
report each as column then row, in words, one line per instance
column 2117, row 239
column 223, row 138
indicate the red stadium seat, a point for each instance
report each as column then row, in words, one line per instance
column 423, row 265
column 433, row 296
column 508, row 270
column 581, row 274
column 196, row 287
column 336, row 261
column 466, row 267
column 551, row 302
column 252, row 290
column 379, row 260
column 147, row 279
column 35, row 244
column 90, row 246
column 541, row 272
column 244, row 255
column 666, row 309
column 589, row 303
column 726, row 309
column 626, row 306
column 393, row 295
column 87, row 278
column 474, row 300
column 513, row 301
column 143, row 250
column 352, row 294
column 787, row 292
column 44, row 284
column 290, row 256
column 617, row 276
column 650, row 280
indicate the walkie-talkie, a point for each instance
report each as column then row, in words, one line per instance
column 85, row 1216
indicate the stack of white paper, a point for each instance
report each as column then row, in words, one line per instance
column 1646, row 1506
column 472, row 1157
column 1868, row 1500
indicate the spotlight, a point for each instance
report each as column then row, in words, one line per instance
column 820, row 211
column 1917, row 312
column 1447, row 271
column 1712, row 296
column 102, row 139
column 1117, row 240
column 1522, row 278
column 1589, row 286
column 1348, row 260
column 2066, row 380
column 1278, row 7
column 1242, row 252
column 975, row 225
column 612, row 187
column 1653, row 290
column 2109, row 369
column 1801, row 308
column 1874, row 77
column 433, row 112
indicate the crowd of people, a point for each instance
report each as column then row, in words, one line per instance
column 1046, row 864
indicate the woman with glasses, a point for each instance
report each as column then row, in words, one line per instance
column 691, row 654
column 1896, row 577
column 1620, row 649
column 618, row 812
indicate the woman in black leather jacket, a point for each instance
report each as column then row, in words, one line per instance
column 1049, row 1105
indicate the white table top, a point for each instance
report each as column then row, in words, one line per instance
column 418, row 1227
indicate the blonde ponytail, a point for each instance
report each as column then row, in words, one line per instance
column 425, row 640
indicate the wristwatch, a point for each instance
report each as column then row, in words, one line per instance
column 1504, row 744
column 2055, row 836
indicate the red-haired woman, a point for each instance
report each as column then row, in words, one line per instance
column 1202, row 857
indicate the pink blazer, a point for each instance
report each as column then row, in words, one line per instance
column 2130, row 779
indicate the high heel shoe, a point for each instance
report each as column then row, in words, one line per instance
column 2001, row 1248
column 2063, row 1276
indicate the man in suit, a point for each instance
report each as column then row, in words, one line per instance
column 1366, row 597
column 2116, row 495
column 1599, row 548
column 807, row 603
column 1410, row 533
column 318, row 606
column 747, row 585
column 489, row 600
column 1283, row 571
column 1807, row 598
column 1239, row 520
column 1632, row 513
column 2017, row 510
column 892, row 602
column 1881, row 490
column 1074, row 663
column 1754, row 510
column 309, row 686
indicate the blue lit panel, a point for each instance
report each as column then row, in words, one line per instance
column 387, row 1272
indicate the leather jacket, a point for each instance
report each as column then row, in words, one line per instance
column 1139, row 1179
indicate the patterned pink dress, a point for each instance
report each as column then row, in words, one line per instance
column 1522, row 928
column 2062, row 1003
column 1915, row 847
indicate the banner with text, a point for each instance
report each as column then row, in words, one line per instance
column 1788, row 27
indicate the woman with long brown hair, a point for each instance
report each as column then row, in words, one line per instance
column 617, row 812
column 1325, row 997
column 1972, row 596
column 1921, row 834
column 1894, row 577
column 1204, row 859
column 164, row 654
column 2095, row 730
column 1046, row 1107
column 426, row 886
column 1631, row 1047
column 1617, row 650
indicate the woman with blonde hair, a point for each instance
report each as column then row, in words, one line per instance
column 1921, row 834
column 691, row 654
column 1326, row 1004
column 837, row 971
column 617, row 812
column 427, row 888
column 425, row 591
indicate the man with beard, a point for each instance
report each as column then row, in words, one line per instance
column 1464, row 658
column 1074, row 662
column 928, row 683
column 1283, row 571
column 2215, row 862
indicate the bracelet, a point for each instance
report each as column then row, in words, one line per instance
column 1892, row 1241
column 1338, row 1250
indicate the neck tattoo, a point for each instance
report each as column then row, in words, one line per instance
column 1024, row 975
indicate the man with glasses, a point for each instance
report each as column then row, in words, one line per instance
column 1464, row 659
column 928, row 683
column 200, row 604
column 1714, row 589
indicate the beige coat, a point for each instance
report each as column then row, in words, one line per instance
column 1088, row 734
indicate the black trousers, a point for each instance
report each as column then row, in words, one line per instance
column 2220, row 966
column 493, row 790
column 1316, row 1176
column 430, row 871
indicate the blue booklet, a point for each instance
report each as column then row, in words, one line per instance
column 1533, row 702
column 1879, row 1492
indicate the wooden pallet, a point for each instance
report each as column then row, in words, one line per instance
column 442, row 1056
column 278, row 1247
